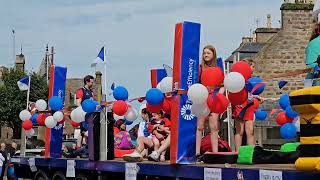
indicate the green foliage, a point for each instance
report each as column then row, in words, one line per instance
column 12, row 100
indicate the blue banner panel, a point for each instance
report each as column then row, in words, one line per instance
column 57, row 86
column 156, row 76
column 185, row 73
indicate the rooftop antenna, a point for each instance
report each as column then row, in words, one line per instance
column 47, row 63
column 21, row 49
column 257, row 21
column 13, row 43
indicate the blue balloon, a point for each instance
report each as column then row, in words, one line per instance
column 291, row 113
column 252, row 82
column 284, row 101
column 154, row 96
column 56, row 103
column 261, row 115
column 120, row 93
column 89, row 105
column 34, row 118
column 288, row 131
column 128, row 122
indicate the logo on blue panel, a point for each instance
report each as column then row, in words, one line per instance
column 59, row 126
column 186, row 112
column 190, row 72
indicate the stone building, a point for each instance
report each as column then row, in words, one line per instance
column 286, row 50
column 283, row 50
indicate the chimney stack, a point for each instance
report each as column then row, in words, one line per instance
column 246, row 40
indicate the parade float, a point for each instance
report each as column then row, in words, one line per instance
column 185, row 100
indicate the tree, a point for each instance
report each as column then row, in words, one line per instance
column 12, row 100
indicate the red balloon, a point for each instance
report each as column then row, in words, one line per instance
column 27, row 124
column 75, row 124
column 212, row 76
column 153, row 108
column 166, row 106
column 210, row 101
column 282, row 118
column 239, row 97
column 242, row 68
column 120, row 107
column 41, row 118
column 219, row 104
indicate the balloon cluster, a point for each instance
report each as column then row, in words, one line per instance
column 238, row 83
column 121, row 109
column 41, row 118
column 288, row 120
column 56, row 116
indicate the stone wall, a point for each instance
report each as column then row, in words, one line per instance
column 286, row 50
column 263, row 35
column 71, row 87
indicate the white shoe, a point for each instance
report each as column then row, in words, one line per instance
column 133, row 157
column 154, row 156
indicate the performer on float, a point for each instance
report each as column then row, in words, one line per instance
column 312, row 57
column 209, row 59
column 306, row 103
column 144, row 140
column 83, row 93
column 244, row 116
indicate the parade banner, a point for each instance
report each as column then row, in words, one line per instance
column 57, row 85
column 156, row 76
column 185, row 73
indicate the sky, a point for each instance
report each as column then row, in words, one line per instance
column 138, row 34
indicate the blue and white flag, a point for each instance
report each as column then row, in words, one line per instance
column 100, row 58
column 23, row 83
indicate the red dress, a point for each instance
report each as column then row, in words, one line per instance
column 248, row 113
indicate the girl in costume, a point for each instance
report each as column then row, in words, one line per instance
column 160, row 129
column 209, row 59
column 244, row 116
column 144, row 140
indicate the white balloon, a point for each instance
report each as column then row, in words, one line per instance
column 158, row 85
column 41, row 105
column 50, row 122
column 78, row 115
column 58, row 116
column 166, row 84
column 131, row 115
column 24, row 115
column 234, row 82
column 116, row 117
column 200, row 110
column 30, row 133
column 198, row 93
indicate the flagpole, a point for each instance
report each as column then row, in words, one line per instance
column 104, row 124
column 23, row 133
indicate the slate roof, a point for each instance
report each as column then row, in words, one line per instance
column 246, row 50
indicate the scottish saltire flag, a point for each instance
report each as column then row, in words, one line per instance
column 100, row 58
column 23, row 83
